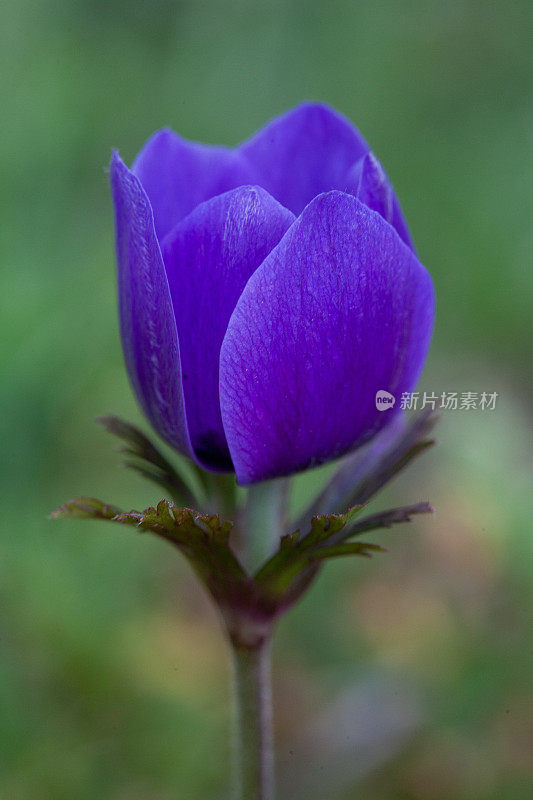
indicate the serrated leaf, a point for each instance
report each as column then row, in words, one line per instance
column 289, row 540
column 295, row 551
column 290, row 570
column 323, row 526
column 383, row 519
column 202, row 538
column 178, row 524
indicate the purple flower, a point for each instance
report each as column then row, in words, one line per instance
column 267, row 293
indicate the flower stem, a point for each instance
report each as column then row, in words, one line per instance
column 253, row 754
column 264, row 520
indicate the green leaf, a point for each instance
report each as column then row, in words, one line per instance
column 143, row 457
column 290, row 570
column 295, row 552
column 386, row 519
column 361, row 475
column 323, row 526
column 183, row 526
column 289, row 541
column 347, row 549
column 202, row 538
column 277, row 572
column 85, row 508
column 388, row 469
column 332, row 544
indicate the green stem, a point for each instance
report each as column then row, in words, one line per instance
column 253, row 754
column 264, row 520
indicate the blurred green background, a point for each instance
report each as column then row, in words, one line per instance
column 408, row 677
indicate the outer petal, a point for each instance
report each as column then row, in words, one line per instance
column 306, row 151
column 339, row 310
column 209, row 257
column 177, row 175
column 147, row 325
column 368, row 181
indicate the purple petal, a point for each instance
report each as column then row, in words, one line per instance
column 399, row 223
column 177, row 175
column 368, row 181
column 373, row 186
column 147, row 325
column 306, row 151
column 209, row 257
column 340, row 309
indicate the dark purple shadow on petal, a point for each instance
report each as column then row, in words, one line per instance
column 209, row 257
column 177, row 175
column 304, row 152
column 368, row 181
column 147, row 325
column 339, row 310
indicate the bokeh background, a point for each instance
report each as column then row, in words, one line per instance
column 408, row 677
